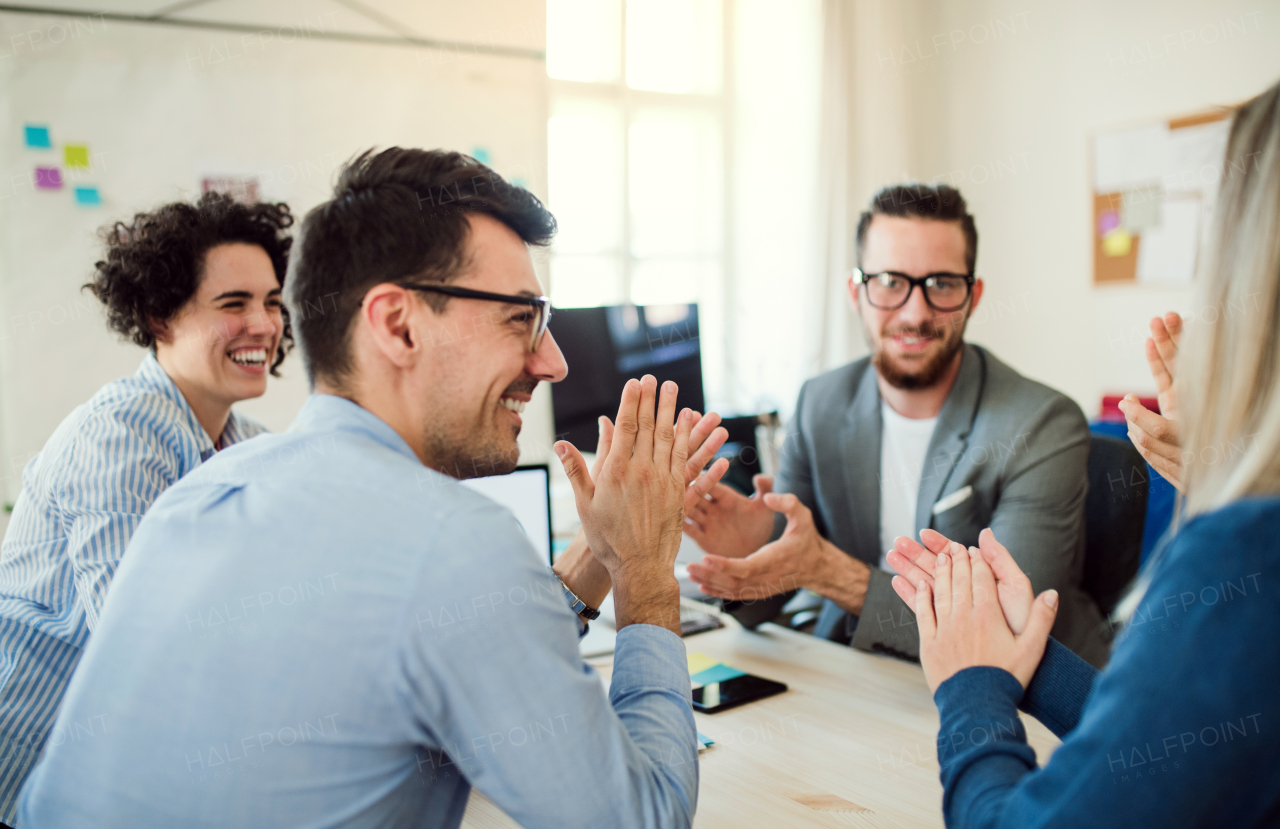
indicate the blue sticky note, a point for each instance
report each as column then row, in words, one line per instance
column 88, row 196
column 480, row 154
column 716, row 673
column 38, row 137
column 519, row 182
column 705, row 740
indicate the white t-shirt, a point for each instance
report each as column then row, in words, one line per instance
column 904, row 442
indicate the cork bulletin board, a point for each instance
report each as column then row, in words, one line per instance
column 1154, row 186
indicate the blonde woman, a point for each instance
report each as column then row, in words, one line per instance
column 1183, row 726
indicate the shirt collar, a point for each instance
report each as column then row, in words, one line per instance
column 153, row 376
column 330, row 413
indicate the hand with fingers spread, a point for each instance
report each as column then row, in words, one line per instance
column 581, row 571
column 917, row 562
column 1156, row 436
column 963, row 626
column 800, row 558
column 632, row 512
column 726, row 523
column 705, row 439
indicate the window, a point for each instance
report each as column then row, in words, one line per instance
column 682, row 166
column 636, row 156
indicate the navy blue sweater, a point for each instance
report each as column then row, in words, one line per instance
column 1181, row 729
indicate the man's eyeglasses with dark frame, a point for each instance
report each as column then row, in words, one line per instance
column 540, row 304
column 939, row 289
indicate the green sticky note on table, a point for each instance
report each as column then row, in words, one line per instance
column 76, row 155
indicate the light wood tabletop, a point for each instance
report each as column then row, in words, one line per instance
column 851, row 743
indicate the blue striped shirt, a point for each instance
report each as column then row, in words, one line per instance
column 82, row 498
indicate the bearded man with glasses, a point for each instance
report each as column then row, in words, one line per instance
column 927, row 433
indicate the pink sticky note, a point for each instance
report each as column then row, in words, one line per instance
column 1108, row 221
column 48, row 178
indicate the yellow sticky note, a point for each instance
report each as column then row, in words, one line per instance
column 699, row 662
column 75, row 155
column 1117, row 242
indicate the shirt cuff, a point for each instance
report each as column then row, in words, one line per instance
column 649, row 658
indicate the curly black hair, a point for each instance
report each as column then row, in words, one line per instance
column 154, row 264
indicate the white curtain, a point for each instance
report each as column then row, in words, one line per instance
column 834, row 339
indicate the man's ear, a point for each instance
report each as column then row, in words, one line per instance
column 977, row 296
column 853, row 295
column 387, row 314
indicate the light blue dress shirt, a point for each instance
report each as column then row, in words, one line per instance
column 82, row 498
column 315, row 630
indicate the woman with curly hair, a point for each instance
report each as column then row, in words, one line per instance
column 199, row 285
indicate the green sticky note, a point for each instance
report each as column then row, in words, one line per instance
column 76, row 155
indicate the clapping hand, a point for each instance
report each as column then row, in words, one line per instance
column 1156, row 435
column 915, row 562
column 963, row 624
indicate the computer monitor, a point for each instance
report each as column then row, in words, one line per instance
column 604, row 347
column 527, row 493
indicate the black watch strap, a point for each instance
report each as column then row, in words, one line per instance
column 577, row 605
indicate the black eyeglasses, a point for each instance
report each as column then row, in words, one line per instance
column 541, row 305
column 890, row 290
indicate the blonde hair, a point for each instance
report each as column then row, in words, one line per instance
column 1228, row 381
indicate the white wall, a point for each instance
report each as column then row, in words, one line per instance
column 158, row 106
column 1009, row 120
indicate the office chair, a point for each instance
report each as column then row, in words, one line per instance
column 1114, row 517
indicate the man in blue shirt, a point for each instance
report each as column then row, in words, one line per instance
column 323, row 628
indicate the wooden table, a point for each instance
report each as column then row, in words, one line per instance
column 851, row 743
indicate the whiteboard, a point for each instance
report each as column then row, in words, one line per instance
column 159, row 107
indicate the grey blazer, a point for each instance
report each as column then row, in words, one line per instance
column 1020, row 448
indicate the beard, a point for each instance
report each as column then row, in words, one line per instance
column 478, row 457
column 481, row 448
column 912, row 375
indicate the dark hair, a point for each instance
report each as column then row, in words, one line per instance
column 155, row 263
column 396, row 215
column 936, row 202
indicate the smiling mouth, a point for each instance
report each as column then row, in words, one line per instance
column 514, row 405
column 913, row 339
column 254, row 357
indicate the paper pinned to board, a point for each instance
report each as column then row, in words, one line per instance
column 1131, row 158
column 1167, row 254
column 1117, row 243
column 1196, row 156
column 1140, row 209
column 1108, row 221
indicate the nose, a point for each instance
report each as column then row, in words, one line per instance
column 917, row 310
column 259, row 322
column 547, row 362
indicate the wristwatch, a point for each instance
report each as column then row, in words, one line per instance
column 577, row 605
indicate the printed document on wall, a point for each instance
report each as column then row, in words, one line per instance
column 1167, row 253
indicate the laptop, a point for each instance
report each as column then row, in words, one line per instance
column 526, row 492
